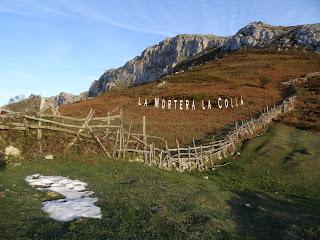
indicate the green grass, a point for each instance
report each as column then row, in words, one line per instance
column 270, row 191
column 278, row 174
column 137, row 201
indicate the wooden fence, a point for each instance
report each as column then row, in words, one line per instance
column 117, row 141
column 99, row 129
column 201, row 157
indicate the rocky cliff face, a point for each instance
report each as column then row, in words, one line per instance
column 65, row 98
column 155, row 61
column 258, row 34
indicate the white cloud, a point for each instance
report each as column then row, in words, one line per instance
column 87, row 12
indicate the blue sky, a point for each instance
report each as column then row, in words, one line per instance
column 49, row 46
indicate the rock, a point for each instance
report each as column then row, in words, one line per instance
column 137, row 159
column 65, row 98
column 52, row 194
column 49, row 157
column 12, row 152
column 162, row 84
column 259, row 34
column 155, row 209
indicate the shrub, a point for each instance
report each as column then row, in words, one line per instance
column 264, row 81
column 199, row 96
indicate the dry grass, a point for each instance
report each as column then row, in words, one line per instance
column 307, row 112
column 236, row 74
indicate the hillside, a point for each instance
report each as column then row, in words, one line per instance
column 164, row 58
column 236, row 74
column 307, row 114
column 31, row 104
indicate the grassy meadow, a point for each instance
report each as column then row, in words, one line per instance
column 269, row 191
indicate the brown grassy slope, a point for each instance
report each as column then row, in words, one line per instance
column 236, row 74
column 27, row 105
column 307, row 111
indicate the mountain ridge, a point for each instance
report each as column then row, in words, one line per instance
column 255, row 35
column 155, row 61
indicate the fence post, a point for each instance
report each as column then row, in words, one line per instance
column 127, row 141
column 121, row 135
column 40, row 137
column 179, row 160
column 201, row 156
column 160, row 158
column 144, row 138
column 115, row 144
column 196, row 152
column 168, row 153
column 211, row 152
column 108, row 123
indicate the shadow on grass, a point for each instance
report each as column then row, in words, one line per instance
column 2, row 167
column 46, row 228
column 259, row 216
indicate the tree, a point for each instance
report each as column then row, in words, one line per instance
column 17, row 98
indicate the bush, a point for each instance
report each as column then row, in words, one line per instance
column 199, row 96
column 264, row 81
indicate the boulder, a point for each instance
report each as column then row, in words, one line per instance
column 49, row 157
column 12, row 152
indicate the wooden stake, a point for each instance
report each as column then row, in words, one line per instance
column 179, row 160
column 127, row 141
column 115, row 144
column 83, row 127
column 121, row 134
column 40, row 136
column 108, row 123
column 97, row 140
column 196, row 152
column 160, row 158
column 144, row 129
column 144, row 138
column 169, row 164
